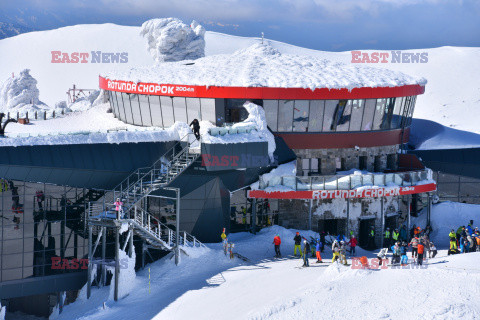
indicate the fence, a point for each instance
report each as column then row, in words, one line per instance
column 457, row 188
column 347, row 182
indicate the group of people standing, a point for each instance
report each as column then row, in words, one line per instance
column 464, row 240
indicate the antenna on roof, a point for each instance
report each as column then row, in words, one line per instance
column 262, row 37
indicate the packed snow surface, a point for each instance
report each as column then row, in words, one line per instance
column 170, row 39
column 262, row 65
column 208, row 283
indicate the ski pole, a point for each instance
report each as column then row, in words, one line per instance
column 267, row 251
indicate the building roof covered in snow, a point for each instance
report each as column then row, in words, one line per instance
column 261, row 65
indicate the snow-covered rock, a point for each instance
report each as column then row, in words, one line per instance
column 20, row 94
column 170, row 39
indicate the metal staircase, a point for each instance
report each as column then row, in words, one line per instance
column 158, row 234
column 138, row 185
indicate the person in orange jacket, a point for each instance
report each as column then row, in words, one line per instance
column 277, row 242
column 420, row 250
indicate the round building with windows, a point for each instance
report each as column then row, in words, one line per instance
column 334, row 116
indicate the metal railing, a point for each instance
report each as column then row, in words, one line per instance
column 161, row 232
column 347, row 182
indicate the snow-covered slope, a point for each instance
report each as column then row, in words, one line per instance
column 452, row 94
column 208, row 284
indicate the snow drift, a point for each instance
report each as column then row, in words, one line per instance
column 170, row 39
column 256, row 118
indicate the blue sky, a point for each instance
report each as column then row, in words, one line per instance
column 334, row 25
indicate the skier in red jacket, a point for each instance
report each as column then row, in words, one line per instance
column 353, row 244
column 277, row 241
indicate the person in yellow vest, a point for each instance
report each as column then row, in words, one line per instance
column 395, row 235
column 244, row 215
column 386, row 242
column 224, row 240
column 371, row 239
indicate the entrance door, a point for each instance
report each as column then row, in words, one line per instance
column 364, row 230
column 332, row 226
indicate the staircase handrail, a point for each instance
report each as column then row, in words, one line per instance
column 153, row 166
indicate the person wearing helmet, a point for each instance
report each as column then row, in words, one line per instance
column 277, row 241
column 306, row 250
column 342, row 252
column 395, row 235
column 396, row 253
column 452, row 235
column 335, row 251
column 298, row 244
column 420, row 250
column 318, row 247
column 118, row 207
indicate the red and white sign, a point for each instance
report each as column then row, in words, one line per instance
column 147, row 88
column 179, row 90
column 366, row 192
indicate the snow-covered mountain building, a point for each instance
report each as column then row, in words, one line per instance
column 343, row 122
column 291, row 140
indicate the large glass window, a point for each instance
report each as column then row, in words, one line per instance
column 388, row 114
column 367, row 121
column 271, row 113
column 300, row 115
column 179, row 109
column 329, row 116
column 397, row 113
column 112, row 103
column 412, row 108
column 128, row 107
column 207, row 107
column 167, row 111
column 357, row 114
column 315, row 119
column 135, row 103
column 379, row 113
column 343, row 115
column 193, row 109
column 285, row 115
column 121, row 107
column 156, row 111
column 145, row 110
column 406, row 111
